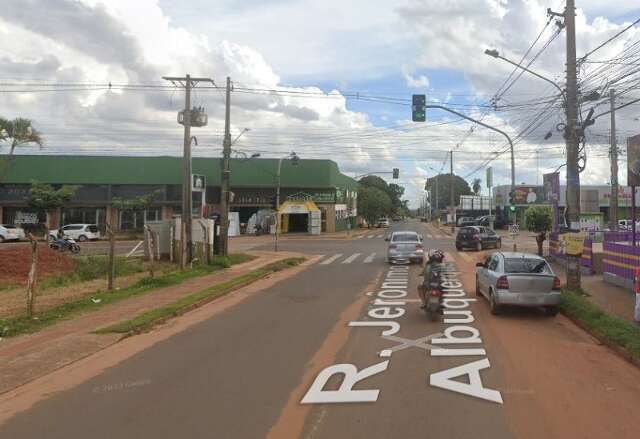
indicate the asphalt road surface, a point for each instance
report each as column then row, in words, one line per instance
column 272, row 365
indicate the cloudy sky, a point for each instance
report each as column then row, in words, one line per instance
column 327, row 79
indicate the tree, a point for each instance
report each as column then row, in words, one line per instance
column 43, row 197
column 373, row 204
column 17, row 132
column 477, row 186
column 460, row 187
column 394, row 191
column 539, row 219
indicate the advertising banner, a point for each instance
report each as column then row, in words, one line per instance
column 529, row 195
column 552, row 195
column 633, row 161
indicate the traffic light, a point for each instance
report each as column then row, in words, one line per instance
column 396, row 173
column 512, row 201
column 418, row 109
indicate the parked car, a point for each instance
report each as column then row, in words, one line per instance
column 522, row 279
column 79, row 232
column 464, row 221
column 485, row 220
column 405, row 246
column 383, row 222
column 477, row 237
column 9, row 232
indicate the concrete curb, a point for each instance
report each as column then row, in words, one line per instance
column 620, row 351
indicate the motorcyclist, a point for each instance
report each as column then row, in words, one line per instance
column 432, row 267
column 61, row 241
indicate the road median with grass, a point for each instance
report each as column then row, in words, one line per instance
column 621, row 336
column 147, row 320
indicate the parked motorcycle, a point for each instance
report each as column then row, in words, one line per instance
column 65, row 244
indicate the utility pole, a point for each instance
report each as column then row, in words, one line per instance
column 613, row 200
column 186, row 243
column 573, row 175
column 226, row 174
column 451, row 197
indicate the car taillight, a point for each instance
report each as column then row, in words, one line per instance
column 435, row 293
column 556, row 284
column 502, row 283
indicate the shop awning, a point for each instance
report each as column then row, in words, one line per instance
column 289, row 207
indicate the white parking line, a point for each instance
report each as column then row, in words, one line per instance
column 369, row 259
column 351, row 258
column 331, row 259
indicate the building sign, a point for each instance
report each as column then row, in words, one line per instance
column 633, row 161
column 26, row 217
column 198, row 182
column 574, row 243
column 529, row 195
column 489, row 177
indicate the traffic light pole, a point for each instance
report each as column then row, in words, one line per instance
column 489, row 127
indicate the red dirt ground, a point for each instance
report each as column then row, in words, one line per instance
column 16, row 261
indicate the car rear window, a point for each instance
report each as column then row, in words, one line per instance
column 92, row 229
column 526, row 265
column 468, row 231
column 404, row 237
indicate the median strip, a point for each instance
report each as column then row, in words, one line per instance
column 147, row 320
column 621, row 336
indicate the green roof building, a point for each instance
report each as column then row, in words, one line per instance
column 101, row 178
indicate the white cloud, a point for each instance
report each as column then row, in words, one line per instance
column 420, row 81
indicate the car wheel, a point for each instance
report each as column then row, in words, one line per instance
column 458, row 247
column 82, row 238
column 499, row 243
column 551, row 311
column 493, row 306
column 479, row 246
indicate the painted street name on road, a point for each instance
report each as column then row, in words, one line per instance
column 386, row 307
column 456, row 313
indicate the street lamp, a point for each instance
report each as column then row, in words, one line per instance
column 294, row 161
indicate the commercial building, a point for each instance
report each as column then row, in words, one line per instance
column 308, row 185
column 594, row 201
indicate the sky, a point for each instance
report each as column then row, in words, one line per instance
column 328, row 80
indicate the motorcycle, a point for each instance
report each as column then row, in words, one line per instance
column 434, row 301
column 62, row 245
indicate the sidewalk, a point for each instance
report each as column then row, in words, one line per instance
column 612, row 299
column 26, row 357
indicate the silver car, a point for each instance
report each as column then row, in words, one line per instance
column 405, row 247
column 522, row 279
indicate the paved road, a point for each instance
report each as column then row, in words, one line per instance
column 243, row 372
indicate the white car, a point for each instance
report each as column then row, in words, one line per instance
column 9, row 232
column 79, row 232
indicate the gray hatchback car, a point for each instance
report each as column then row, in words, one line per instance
column 521, row 279
column 405, row 247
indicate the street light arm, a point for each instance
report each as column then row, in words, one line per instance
column 464, row 116
column 495, row 54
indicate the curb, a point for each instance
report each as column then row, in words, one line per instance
column 620, row 351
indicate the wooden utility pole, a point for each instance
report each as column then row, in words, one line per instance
column 186, row 241
column 33, row 275
column 613, row 200
column 111, row 270
column 226, row 175
column 451, row 196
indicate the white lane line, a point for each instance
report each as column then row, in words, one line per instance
column 331, row 259
column 465, row 256
column 351, row 258
column 370, row 236
column 369, row 259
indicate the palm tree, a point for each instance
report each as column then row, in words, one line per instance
column 17, row 132
column 477, row 186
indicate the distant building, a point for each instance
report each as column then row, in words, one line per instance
column 312, row 183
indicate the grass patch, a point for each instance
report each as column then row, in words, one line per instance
column 610, row 327
column 94, row 267
column 147, row 320
column 22, row 325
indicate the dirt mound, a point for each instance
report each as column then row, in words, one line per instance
column 16, row 261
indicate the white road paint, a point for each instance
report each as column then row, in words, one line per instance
column 369, row 259
column 370, row 236
column 359, row 237
column 465, row 256
column 380, row 236
column 351, row 258
column 331, row 259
